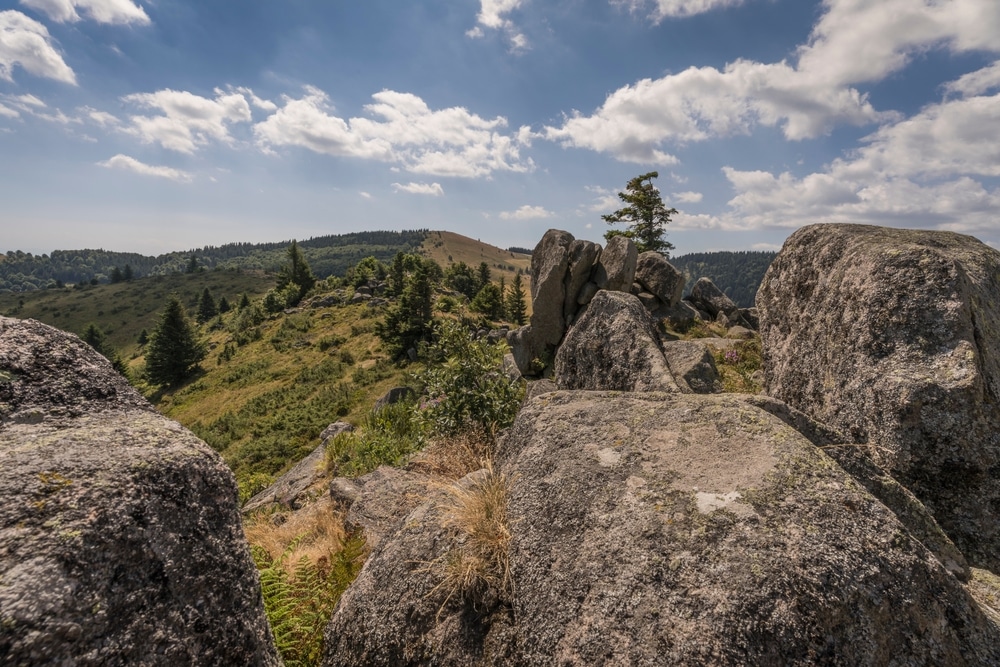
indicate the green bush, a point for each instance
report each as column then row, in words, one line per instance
column 386, row 437
column 466, row 385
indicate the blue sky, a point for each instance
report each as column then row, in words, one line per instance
column 152, row 126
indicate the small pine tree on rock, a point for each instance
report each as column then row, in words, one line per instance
column 174, row 351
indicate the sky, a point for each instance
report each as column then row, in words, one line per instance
column 159, row 125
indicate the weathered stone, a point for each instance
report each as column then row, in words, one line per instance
column 615, row 270
column 651, row 529
column 749, row 318
column 614, row 345
column 587, row 293
column 649, row 301
column 892, row 337
column 549, row 263
column 526, row 350
column 393, row 396
column 693, row 366
column 682, row 316
column 722, row 319
column 510, row 368
column 385, row 497
column 739, row 333
column 343, row 493
column 706, row 296
column 659, row 277
column 333, row 430
column 582, row 256
column 290, row 490
column 120, row 535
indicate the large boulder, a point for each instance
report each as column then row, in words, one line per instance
column 614, row 346
column 705, row 295
column 693, row 366
column 615, row 270
column 660, row 278
column 582, row 256
column 549, row 262
column 650, row 529
column 120, row 536
column 297, row 486
column 892, row 337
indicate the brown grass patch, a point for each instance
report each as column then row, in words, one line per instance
column 454, row 457
column 313, row 532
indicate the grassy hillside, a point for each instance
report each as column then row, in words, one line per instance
column 122, row 310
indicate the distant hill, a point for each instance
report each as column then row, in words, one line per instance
column 738, row 274
column 327, row 255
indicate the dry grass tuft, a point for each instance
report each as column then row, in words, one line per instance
column 454, row 457
column 477, row 569
column 313, row 532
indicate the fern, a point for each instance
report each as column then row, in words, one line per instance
column 299, row 598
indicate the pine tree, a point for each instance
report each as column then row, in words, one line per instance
column 224, row 306
column 484, row 276
column 645, row 217
column 297, row 273
column 489, row 302
column 206, row 307
column 192, row 265
column 411, row 320
column 116, row 275
column 128, row 274
column 174, row 350
column 517, row 308
column 95, row 338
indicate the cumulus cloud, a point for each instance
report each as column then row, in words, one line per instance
column 7, row 112
column 662, row 9
column 26, row 42
column 400, row 129
column 976, row 83
column 924, row 171
column 688, row 197
column 853, row 42
column 433, row 189
column 131, row 164
column 102, row 11
column 527, row 213
column 493, row 15
column 187, row 121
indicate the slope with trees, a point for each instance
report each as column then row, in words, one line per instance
column 738, row 274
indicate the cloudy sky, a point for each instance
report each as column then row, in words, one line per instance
column 157, row 125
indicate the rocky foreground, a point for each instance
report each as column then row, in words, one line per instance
column 847, row 517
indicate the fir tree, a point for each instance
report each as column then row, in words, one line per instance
column 296, row 272
column 517, row 308
column 645, row 217
column 206, row 307
column 174, row 350
column 224, row 306
column 411, row 320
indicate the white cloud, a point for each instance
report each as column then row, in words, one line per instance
column 977, row 82
column 102, row 118
column 26, row 42
column 676, row 8
column 262, row 104
column 102, row 11
column 7, row 112
column 366, row 195
column 853, row 42
column 402, row 130
column 493, row 15
column 918, row 172
column 433, row 189
column 688, row 197
column 188, row 121
column 131, row 164
column 527, row 213
column 765, row 246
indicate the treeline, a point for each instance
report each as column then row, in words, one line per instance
column 738, row 274
column 327, row 255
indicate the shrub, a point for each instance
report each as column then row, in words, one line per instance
column 386, row 437
column 466, row 385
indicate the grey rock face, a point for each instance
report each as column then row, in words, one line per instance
column 651, row 529
column 614, row 346
column 384, row 497
column 659, row 277
column 393, row 396
column 582, row 256
column 682, row 315
column 893, row 338
column 524, row 348
column 120, row 537
column 615, row 270
column 706, row 296
column 693, row 366
column 549, row 262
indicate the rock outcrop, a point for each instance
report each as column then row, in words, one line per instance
column 120, row 536
column 892, row 337
column 659, row 278
column 651, row 529
column 613, row 346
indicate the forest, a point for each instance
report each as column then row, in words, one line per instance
column 738, row 274
column 328, row 255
